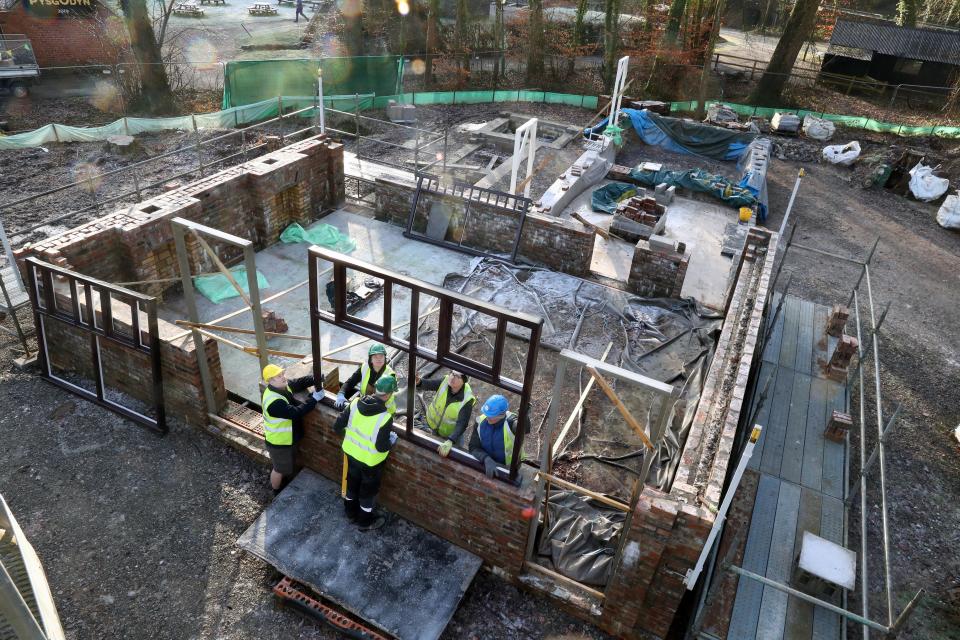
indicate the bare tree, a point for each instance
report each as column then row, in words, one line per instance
column 611, row 42
column 536, row 46
column 155, row 93
column 433, row 36
column 799, row 28
column 907, row 13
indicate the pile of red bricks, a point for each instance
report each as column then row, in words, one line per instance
column 837, row 321
column 840, row 359
column 642, row 209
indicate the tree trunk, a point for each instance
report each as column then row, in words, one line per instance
column 907, row 13
column 611, row 42
column 498, row 35
column 677, row 8
column 799, row 29
column 155, row 93
column 460, row 28
column 433, row 28
column 707, row 57
column 536, row 46
column 352, row 12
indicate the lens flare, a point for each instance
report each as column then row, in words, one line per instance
column 105, row 96
column 403, row 7
column 418, row 66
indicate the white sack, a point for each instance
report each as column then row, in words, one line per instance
column 949, row 218
column 818, row 129
column 845, row 154
column 924, row 185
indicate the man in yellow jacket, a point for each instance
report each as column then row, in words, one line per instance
column 367, row 440
column 283, row 421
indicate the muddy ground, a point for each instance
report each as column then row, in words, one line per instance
column 137, row 532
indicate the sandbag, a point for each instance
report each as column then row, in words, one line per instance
column 818, row 129
column 925, row 186
column 844, row 154
column 784, row 122
column 948, row 216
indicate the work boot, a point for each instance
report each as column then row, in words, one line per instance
column 370, row 520
column 351, row 508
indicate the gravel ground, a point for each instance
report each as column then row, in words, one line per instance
column 137, row 532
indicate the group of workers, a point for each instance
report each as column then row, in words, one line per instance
column 368, row 404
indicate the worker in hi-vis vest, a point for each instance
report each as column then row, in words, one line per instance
column 283, row 421
column 367, row 439
column 492, row 440
column 448, row 415
column 366, row 376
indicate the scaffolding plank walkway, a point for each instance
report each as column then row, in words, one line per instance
column 400, row 578
column 801, row 477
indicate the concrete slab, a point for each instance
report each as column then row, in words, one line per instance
column 701, row 226
column 285, row 265
column 400, row 578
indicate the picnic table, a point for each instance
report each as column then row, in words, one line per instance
column 223, row 2
column 262, row 9
column 187, row 9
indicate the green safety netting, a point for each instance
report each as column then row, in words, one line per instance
column 605, row 198
column 270, row 108
column 324, row 235
column 217, row 288
column 247, row 81
column 856, row 122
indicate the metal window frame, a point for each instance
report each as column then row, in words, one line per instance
column 43, row 299
column 668, row 395
column 444, row 355
column 469, row 194
column 180, row 228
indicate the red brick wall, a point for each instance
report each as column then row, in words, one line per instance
column 255, row 201
column 70, row 40
column 445, row 497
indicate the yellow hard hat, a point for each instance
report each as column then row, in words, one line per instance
column 270, row 371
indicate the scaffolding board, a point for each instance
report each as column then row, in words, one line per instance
column 401, row 579
column 801, row 478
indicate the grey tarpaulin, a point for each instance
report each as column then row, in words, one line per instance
column 582, row 539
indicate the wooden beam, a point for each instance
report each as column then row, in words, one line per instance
column 222, row 267
column 599, row 497
column 562, row 579
column 603, row 233
column 607, row 389
column 249, row 332
column 579, row 405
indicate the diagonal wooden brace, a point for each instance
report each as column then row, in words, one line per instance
column 222, row 267
column 607, row 389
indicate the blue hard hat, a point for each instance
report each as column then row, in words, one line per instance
column 495, row 406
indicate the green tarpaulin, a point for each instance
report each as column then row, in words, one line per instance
column 247, row 81
column 217, row 288
column 324, row 235
column 698, row 180
column 605, row 198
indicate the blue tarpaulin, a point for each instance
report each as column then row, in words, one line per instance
column 683, row 136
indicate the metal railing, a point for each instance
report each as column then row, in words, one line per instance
column 445, row 355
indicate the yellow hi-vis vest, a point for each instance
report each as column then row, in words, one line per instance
column 365, row 371
column 278, row 431
column 442, row 417
column 360, row 438
column 508, row 438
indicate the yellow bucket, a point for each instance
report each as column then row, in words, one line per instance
column 745, row 214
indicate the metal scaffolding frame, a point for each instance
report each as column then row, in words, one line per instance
column 893, row 622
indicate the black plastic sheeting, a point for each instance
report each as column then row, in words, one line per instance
column 667, row 339
column 581, row 538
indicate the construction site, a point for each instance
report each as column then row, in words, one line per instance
column 739, row 376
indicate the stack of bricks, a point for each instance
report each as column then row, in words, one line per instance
column 838, row 426
column 453, row 501
column 558, row 243
column 840, row 359
column 642, row 209
column 657, row 270
column 256, row 201
column 837, row 321
column 757, row 243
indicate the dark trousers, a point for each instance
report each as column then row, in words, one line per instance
column 363, row 482
column 296, row 18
